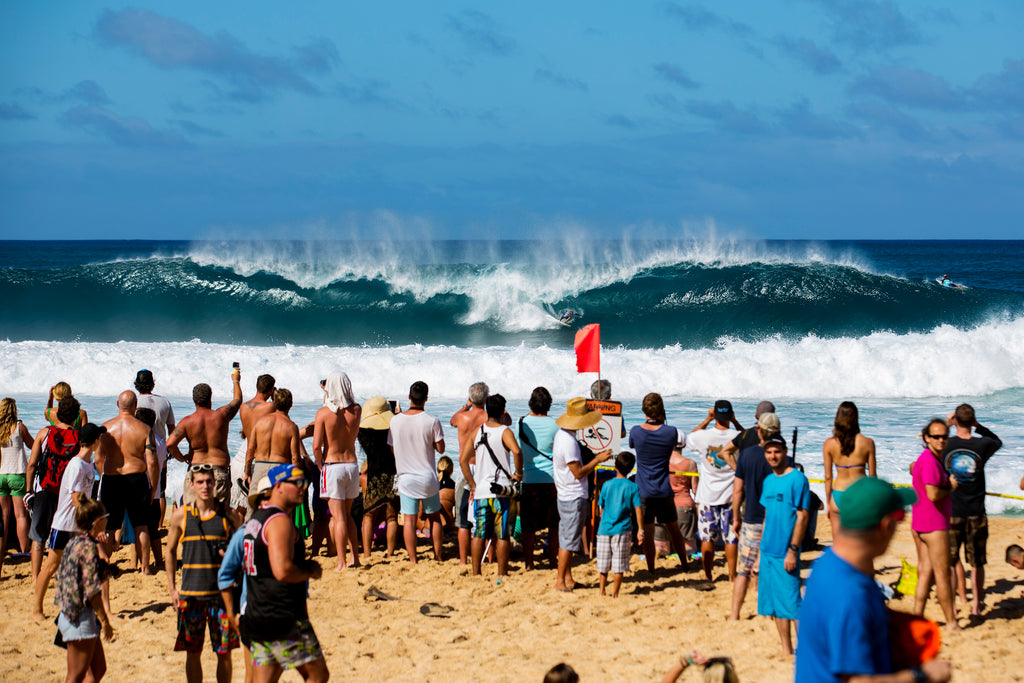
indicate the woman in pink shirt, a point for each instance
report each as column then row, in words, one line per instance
column 930, row 522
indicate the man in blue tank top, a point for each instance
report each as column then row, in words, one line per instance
column 203, row 530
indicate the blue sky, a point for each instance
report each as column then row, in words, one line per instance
column 792, row 119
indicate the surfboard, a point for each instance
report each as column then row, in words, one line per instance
column 951, row 285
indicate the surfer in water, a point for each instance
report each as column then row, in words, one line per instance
column 568, row 317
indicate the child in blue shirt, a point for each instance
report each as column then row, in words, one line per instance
column 620, row 498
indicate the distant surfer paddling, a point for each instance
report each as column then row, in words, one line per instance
column 945, row 281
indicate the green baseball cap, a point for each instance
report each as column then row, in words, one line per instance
column 869, row 500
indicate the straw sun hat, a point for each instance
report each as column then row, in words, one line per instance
column 376, row 414
column 578, row 415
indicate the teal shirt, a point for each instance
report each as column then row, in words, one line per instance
column 536, row 439
column 618, row 498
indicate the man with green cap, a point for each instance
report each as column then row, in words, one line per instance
column 844, row 627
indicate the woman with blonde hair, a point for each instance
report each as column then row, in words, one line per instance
column 57, row 392
column 15, row 444
column 851, row 452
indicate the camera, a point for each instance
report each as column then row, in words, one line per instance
column 513, row 490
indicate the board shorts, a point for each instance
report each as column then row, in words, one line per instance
column 153, row 524
column 43, row 508
column 221, row 486
column 12, row 485
column 613, row 553
column 538, row 507
column 714, row 524
column 972, row 534
column 126, row 493
column 659, row 510
column 85, row 628
column 778, row 591
column 58, row 540
column 339, row 480
column 259, row 470
column 492, row 518
column 411, row 506
column 750, row 548
column 194, row 615
column 572, row 516
column 290, row 653
column 686, row 518
column 465, row 518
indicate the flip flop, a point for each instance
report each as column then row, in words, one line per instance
column 433, row 609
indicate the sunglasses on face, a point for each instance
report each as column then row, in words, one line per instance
column 300, row 483
column 939, row 437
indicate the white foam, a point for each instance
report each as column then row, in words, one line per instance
column 946, row 361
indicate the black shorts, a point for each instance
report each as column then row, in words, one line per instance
column 126, row 493
column 538, row 507
column 44, row 506
column 659, row 510
column 465, row 519
column 972, row 534
column 153, row 523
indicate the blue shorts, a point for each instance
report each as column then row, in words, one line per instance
column 58, row 539
column 85, row 628
column 778, row 591
column 411, row 506
column 491, row 518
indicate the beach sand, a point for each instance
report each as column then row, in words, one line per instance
column 514, row 632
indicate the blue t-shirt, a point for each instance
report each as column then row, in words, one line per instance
column 653, row 450
column 844, row 628
column 753, row 469
column 618, row 498
column 781, row 498
column 538, row 434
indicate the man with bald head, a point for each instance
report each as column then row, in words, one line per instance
column 206, row 431
column 127, row 459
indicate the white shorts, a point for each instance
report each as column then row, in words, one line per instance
column 340, row 481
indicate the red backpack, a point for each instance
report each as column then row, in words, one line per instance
column 60, row 446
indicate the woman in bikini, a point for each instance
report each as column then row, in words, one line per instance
column 851, row 452
column 57, row 392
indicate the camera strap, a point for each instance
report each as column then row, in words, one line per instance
column 524, row 440
column 494, row 458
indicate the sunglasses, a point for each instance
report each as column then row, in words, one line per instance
column 939, row 437
column 300, row 483
column 202, row 467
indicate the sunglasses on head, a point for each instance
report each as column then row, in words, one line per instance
column 202, row 467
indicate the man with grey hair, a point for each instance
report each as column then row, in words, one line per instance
column 467, row 420
column 601, row 390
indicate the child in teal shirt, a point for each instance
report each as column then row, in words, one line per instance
column 620, row 498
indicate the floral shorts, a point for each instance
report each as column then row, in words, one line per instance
column 301, row 649
column 714, row 524
column 194, row 615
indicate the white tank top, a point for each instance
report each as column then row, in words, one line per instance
column 13, row 454
column 486, row 471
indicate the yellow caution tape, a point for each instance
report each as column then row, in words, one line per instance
column 822, row 481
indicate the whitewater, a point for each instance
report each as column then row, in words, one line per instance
column 806, row 324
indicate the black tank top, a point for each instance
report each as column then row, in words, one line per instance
column 201, row 541
column 272, row 607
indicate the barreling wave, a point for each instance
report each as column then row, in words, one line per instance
column 690, row 294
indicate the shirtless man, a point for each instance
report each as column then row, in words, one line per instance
column 251, row 412
column 131, row 471
column 273, row 439
column 467, row 420
column 334, row 438
column 207, row 433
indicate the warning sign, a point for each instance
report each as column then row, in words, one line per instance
column 606, row 433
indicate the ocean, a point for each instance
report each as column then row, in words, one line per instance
column 805, row 324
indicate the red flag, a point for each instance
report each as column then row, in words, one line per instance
column 588, row 348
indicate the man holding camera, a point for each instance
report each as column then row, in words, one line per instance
column 492, row 444
column 203, row 531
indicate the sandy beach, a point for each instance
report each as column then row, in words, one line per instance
column 514, row 632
